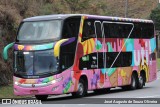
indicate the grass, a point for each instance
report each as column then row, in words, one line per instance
column 158, row 63
column 7, row 92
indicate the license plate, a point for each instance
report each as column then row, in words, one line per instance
column 34, row 91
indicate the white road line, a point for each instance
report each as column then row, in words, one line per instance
column 81, row 104
column 153, row 96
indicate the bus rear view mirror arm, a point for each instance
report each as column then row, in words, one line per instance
column 5, row 51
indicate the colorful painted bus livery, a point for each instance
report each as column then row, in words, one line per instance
column 74, row 53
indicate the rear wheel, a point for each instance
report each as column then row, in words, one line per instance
column 82, row 89
column 41, row 97
column 141, row 81
column 134, row 82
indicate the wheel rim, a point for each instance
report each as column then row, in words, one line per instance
column 133, row 82
column 141, row 81
column 80, row 89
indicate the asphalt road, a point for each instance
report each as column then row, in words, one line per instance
column 151, row 90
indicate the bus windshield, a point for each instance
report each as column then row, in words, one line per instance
column 40, row 30
column 35, row 63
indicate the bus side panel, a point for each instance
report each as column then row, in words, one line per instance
column 145, row 57
column 153, row 60
column 153, row 71
column 142, row 59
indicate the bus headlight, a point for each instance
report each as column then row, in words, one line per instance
column 16, row 83
column 53, row 81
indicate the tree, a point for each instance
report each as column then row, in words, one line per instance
column 77, row 5
column 155, row 16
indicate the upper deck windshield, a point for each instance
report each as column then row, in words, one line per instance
column 40, row 30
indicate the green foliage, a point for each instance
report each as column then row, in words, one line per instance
column 158, row 63
column 46, row 9
column 7, row 92
column 155, row 16
column 78, row 5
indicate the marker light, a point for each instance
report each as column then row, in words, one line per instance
column 56, row 80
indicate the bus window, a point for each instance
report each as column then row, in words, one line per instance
column 136, row 33
column 110, row 57
column 71, row 28
column 39, row 30
column 88, row 30
column 98, row 30
column 147, row 30
column 88, row 61
column 117, row 30
column 100, row 60
column 127, row 30
column 143, row 30
column 150, row 31
column 124, row 59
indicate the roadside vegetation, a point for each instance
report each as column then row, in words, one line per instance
column 13, row 11
column 158, row 63
column 7, row 92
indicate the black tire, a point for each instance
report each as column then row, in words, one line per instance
column 141, row 81
column 82, row 89
column 133, row 85
column 102, row 91
column 41, row 97
column 134, row 82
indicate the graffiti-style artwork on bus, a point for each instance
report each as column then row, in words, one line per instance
column 85, row 52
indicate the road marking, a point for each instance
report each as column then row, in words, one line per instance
column 81, row 104
column 153, row 96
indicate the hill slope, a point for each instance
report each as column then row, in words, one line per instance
column 13, row 11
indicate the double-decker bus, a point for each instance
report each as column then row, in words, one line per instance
column 74, row 53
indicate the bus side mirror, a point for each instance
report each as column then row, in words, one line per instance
column 57, row 47
column 5, row 51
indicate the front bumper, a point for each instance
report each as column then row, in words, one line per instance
column 46, row 90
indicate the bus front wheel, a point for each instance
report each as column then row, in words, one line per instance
column 41, row 97
column 82, row 89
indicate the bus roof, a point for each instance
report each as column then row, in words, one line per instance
column 50, row 17
column 64, row 16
